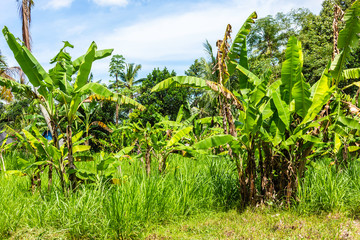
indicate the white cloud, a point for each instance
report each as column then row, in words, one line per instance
column 57, row 4
column 172, row 36
column 177, row 36
column 119, row 3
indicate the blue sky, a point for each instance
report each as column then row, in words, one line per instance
column 153, row 33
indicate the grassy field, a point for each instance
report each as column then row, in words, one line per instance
column 259, row 224
column 195, row 199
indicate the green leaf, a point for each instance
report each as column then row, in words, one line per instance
column 349, row 122
column 15, row 173
column 273, row 87
column 179, row 135
column 353, row 148
column 80, row 148
column 237, row 52
column 291, row 69
column 352, row 73
column 180, row 114
column 322, row 95
column 98, row 55
column 311, row 138
column 282, row 109
column 251, row 76
column 180, row 81
column 124, row 100
column 63, row 70
column 251, row 116
column 16, row 87
column 186, row 81
column 266, row 110
column 213, row 141
column 31, row 139
column 339, row 131
column 77, row 137
column 29, row 65
column 85, row 67
column 348, row 39
column 96, row 88
column 124, row 151
column 337, row 144
column 301, row 94
column 259, row 92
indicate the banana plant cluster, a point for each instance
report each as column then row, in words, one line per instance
column 58, row 93
column 279, row 123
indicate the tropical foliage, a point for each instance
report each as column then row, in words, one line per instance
column 258, row 114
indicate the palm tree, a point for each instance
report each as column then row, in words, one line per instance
column 128, row 79
column 25, row 7
column 9, row 73
column 129, row 75
column 125, row 74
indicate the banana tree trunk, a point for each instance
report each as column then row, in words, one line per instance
column 3, row 163
column 72, row 175
column 87, row 137
column 267, row 182
column 230, row 120
column 47, row 118
column 251, row 173
column 117, row 114
column 162, row 163
column 148, row 160
column 223, row 114
column 53, row 132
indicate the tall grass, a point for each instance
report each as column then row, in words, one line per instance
column 107, row 211
column 119, row 211
column 328, row 188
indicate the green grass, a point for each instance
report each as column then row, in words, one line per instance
column 195, row 199
column 111, row 211
column 327, row 189
column 259, row 224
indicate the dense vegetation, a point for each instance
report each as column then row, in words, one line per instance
column 269, row 120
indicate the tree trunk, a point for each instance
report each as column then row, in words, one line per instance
column 56, row 144
column 72, row 175
column 117, row 114
column 50, row 176
column 290, row 182
column 230, row 119
column 162, row 164
column 242, row 182
column 87, row 139
column 261, row 167
column 345, row 153
column 148, row 160
column 3, row 163
column 267, row 181
column 223, row 114
column 251, row 174
column 36, row 180
column 47, row 118
column 338, row 14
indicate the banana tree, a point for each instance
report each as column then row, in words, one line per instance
column 86, row 118
column 3, row 148
column 291, row 128
column 227, row 57
column 55, row 89
column 46, row 155
column 274, row 120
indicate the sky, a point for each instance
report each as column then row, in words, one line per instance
column 153, row 33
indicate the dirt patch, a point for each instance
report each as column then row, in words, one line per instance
column 157, row 237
